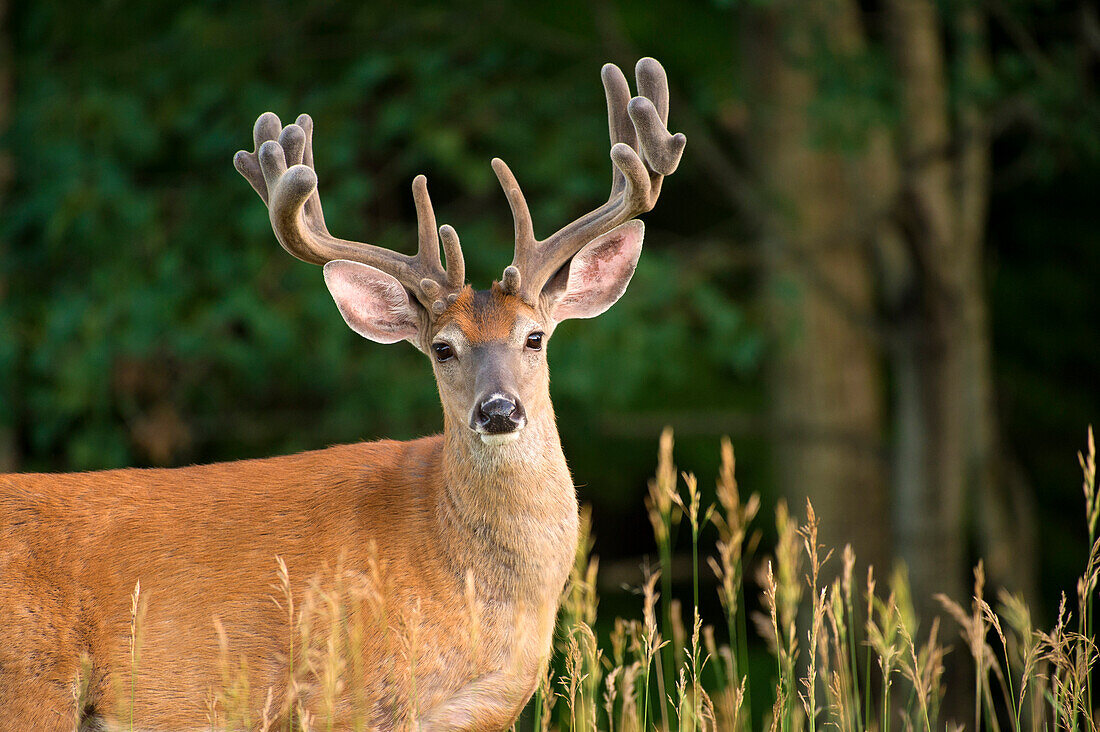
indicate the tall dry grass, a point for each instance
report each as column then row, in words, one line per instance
column 847, row 652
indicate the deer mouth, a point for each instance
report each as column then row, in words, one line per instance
column 499, row 439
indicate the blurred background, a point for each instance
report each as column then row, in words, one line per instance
column 875, row 269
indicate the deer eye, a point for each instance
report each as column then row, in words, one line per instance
column 534, row 341
column 443, row 352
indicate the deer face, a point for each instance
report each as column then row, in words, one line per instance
column 488, row 347
column 488, row 354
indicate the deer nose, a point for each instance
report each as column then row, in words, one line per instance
column 498, row 415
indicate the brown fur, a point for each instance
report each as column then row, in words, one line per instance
column 485, row 315
column 422, row 516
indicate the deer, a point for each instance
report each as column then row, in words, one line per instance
column 483, row 516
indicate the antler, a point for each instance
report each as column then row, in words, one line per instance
column 643, row 152
column 294, row 208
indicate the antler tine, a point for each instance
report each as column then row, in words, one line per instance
column 456, row 265
column 313, row 204
column 525, row 232
column 642, row 152
column 281, row 171
column 621, row 129
column 427, row 238
column 267, row 127
column 653, row 84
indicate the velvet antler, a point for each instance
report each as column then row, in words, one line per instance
column 643, row 152
column 281, row 170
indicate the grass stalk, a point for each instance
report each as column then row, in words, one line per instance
column 1092, row 513
column 849, row 608
column 659, row 506
column 867, row 665
column 136, row 612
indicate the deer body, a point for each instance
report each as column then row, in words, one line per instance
column 202, row 542
column 445, row 557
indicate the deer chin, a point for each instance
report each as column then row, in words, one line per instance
column 501, row 439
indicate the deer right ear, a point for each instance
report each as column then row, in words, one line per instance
column 374, row 304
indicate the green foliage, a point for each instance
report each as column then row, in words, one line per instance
column 155, row 320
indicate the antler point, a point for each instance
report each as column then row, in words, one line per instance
column 429, row 286
column 510, row 281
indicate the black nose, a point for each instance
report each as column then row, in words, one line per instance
column 498, row 415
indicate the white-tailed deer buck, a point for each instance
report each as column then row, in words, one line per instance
column 464, row 538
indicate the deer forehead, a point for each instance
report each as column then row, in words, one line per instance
column 486, row 316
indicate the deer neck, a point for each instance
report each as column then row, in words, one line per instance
column 509, row 511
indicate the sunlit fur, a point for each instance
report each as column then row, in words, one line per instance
column 203, row 541
column 485, row 316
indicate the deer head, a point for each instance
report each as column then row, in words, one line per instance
column 488, row 347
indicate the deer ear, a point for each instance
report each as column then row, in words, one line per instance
column 598, row 275
column 374, row 304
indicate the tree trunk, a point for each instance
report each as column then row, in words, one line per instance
column 1003, row 510
column 824, row 367
column 945, row 419
column 946, row 454
column 930, row 358
column 932, row 174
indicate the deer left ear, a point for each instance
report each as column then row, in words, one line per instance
column 598, row 275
